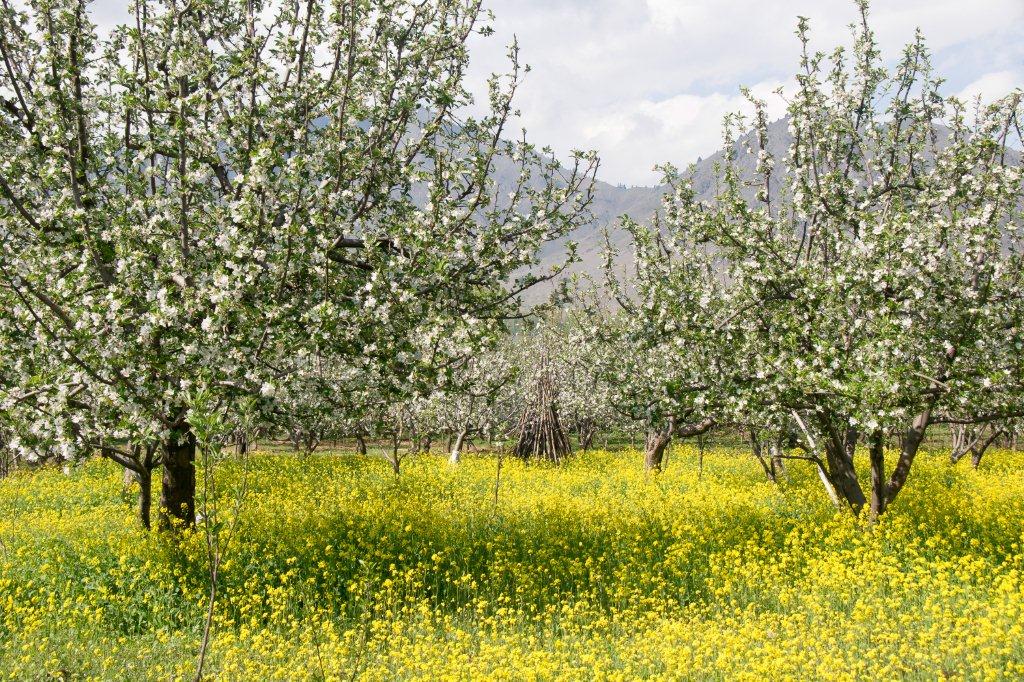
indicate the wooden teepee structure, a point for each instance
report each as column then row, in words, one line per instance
column 540, row 434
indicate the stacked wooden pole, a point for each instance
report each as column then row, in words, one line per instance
column 541, row 436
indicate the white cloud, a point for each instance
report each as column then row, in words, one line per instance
column 634, row 136
column 647, row 81
column 992, row 86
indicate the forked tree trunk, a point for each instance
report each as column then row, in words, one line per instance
column 912, row 440
column 972, row 440
column 766, row 462
column 178, row 485
column 310, row 443
column 586, row 432
column 982, row 446
column 839, row 448
column 963, row 437
column 360, row 445
column 658, row 440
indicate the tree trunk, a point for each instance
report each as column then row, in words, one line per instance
column 310, row 443
column 654, row 450
column 128, row 479
column 393, row 457
column 585, row 433
column 839, row 454
column 145, row 479
column 979, row 449
column 6, row 459
column 456, row 455
column 178, row 485
column 758, row 452
column 879, row 487
column 911, row 444
column 778, row 464
column 962, row 441
column 360, row 445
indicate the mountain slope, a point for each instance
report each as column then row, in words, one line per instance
column 640, row 204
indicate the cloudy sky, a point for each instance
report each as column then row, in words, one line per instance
column 648, row 81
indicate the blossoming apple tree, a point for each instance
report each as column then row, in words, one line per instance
column 870, row 285
column 217, row 192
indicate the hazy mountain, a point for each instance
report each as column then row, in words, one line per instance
column 641, row 203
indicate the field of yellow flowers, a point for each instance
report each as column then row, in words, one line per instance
column 340, row 571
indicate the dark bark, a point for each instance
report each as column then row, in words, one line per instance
column 695, row 429
column 145, row 480
column 878, row 485
column 839, row 455
column 758, row 452
column 978, row 451
column 911, row 444
column 394, row 458
column 138, row 463
column 310, row 442
column 658, row 441
column 6, row 458
column 178, row 485
column 360, row 445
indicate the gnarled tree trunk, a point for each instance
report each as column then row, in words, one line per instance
column 654, row 449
